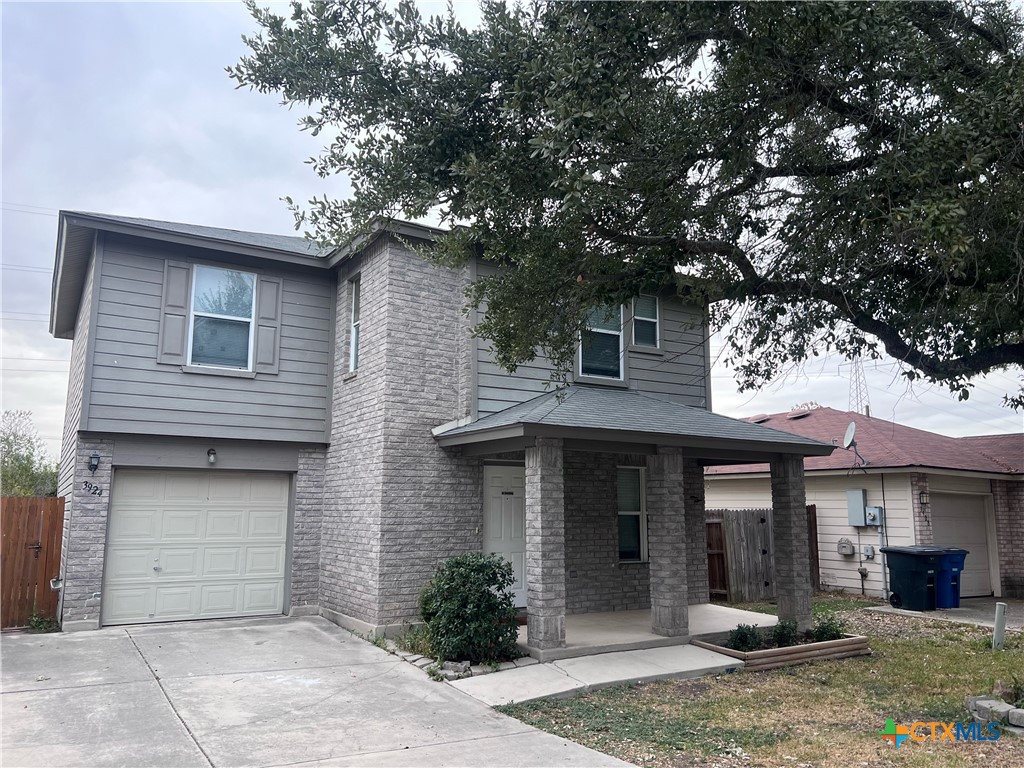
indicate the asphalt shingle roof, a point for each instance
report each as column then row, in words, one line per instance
column 627, row 410
column 888, row 444
column 294, row 244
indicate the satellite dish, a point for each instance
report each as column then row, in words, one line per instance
column 848, row 437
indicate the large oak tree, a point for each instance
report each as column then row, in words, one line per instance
column 822, row 176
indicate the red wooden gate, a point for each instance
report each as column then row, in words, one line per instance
column 30, row 553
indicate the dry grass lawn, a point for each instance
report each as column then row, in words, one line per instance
column 821, row 714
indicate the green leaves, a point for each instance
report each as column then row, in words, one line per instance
column 862, row 162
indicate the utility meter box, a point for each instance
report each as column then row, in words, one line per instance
column 873, row 515
column 845, row 547
column 856, row 503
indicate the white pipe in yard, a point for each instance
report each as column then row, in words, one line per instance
column 1000, row 629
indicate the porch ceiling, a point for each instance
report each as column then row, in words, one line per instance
column 625, row 421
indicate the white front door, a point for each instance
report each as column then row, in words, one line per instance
column 960, row 520
column 505, row 521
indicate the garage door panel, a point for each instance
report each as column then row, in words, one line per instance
column 218, row 539
column 144, row 486
column 182, row 524
column 266, row 525
column 264, row 561
column 179, row 562
column 221, row 599
column 185, row 486
column 261, row 597
column 230, row 488
column 126, row 604
column 129, row 564
column 135, row 525
column 225, row 523
column 178, row 601
column 222, row 561
column 264, row 489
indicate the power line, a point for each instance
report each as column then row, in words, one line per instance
column 20, row 268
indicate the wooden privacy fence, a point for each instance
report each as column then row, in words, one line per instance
column 30, row 554
column 741, row 563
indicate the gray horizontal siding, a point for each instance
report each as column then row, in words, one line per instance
column 76, row 382
column 131, row 393
column 678, row 369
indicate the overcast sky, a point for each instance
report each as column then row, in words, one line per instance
column 126, row 109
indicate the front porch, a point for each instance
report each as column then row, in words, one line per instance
column 596, row 579
column 587, row 634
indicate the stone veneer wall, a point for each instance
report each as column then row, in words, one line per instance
column 1008, row 501
column 922, row 513
column 307, row 521
column 85, row 519
column 432, row 504
column 696, row 534
column 353, row 483
column 595, row 579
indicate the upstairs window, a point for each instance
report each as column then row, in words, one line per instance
column 601, row 344
column 645, row 321
column 221, row 328
column 632, row 514
column 353, row 335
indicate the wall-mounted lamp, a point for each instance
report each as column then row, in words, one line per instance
column 94, row 463
column 211, row 456
column 923, row 497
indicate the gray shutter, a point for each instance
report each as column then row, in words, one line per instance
column 267, row 349
column 172, row 345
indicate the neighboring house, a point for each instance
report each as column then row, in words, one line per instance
column 965, row 492
column 255, row 427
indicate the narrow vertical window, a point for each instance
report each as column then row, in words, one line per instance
column 353, row 335
column 601, row 344
column 632, row 514
column 645, row 321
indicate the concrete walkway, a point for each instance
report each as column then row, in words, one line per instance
column 979, row 611
column 267, row 692
column 567, row 677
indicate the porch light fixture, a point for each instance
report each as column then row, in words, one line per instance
column 923, row 497
column 94, row 463
column 211, row 456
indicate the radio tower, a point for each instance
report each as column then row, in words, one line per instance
column 858, row 388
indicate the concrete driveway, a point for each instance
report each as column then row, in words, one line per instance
column 267, row 692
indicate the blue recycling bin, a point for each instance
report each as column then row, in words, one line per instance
column 947, row 580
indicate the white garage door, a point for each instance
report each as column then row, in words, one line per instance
column 961, row 521
column 194, row 545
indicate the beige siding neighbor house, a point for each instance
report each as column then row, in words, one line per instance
column 960, row 492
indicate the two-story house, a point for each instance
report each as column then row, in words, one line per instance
column 254, row 427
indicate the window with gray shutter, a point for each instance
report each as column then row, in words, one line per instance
column 172, row 344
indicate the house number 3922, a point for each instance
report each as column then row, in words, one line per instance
column 95, row 490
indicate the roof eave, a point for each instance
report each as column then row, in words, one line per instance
column 717, row 449
column 198, row 241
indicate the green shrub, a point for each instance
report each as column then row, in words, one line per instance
column 785, row 634
column 745, row 638
column 469, row 610
column 828, row 626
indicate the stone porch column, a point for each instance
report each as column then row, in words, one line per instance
column 696, row 534
column 789, row 536
column 666, row 542
column 545, row 545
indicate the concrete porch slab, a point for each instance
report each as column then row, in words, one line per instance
column 568, row 677
column 587, row 634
